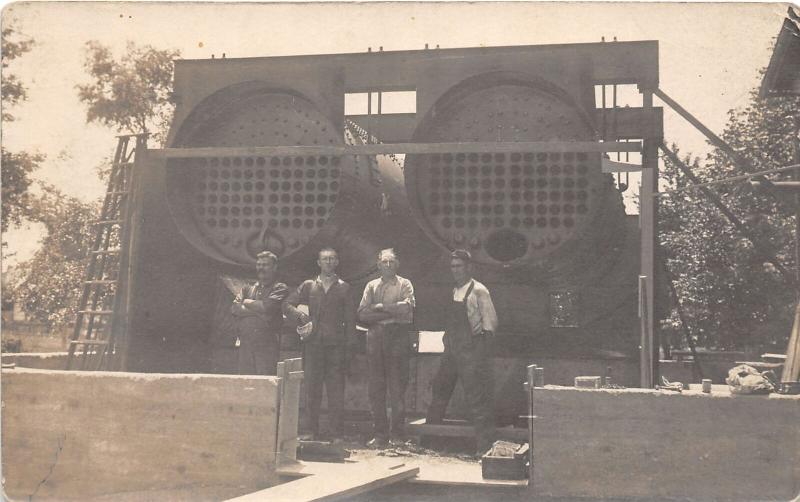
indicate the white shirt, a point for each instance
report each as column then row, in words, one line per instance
column 480, row 309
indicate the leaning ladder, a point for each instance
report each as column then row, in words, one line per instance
column 98, row 338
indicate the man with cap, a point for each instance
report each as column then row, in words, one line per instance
column 326, row 331
column 387, row 307
column 258, row 311
column 471, row 321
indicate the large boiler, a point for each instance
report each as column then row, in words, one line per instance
column 547, row 228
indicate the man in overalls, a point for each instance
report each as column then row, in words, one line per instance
column 258, row 311
column 471, row 322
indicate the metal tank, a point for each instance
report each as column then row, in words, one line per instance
column 550, row 213
column 231, row 208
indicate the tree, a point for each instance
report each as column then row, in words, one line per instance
column 14, row 45
column 17, row 167
column 16, row 180
column 132, row 94
column 50, row 283
column 731, row 296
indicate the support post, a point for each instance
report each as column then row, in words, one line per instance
column 291, row 373
column 531, row 381
column 648, row 222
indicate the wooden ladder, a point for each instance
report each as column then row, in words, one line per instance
column 99, row 326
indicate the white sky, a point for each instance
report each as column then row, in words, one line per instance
column 710, row 56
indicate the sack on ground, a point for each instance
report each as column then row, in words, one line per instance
column 744, row 379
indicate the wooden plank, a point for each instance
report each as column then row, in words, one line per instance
column 281, row 374
column 406, row 148
column 631, row 122
column 288, row 418
column 432, row 471
column 791, row 368
column 454, row 472
column 460, row 428
column 336, row 481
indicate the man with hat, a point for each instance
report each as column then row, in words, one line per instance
column 258, row 311
column 326, row 331
column 470, row 323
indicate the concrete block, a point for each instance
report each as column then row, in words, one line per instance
column 68, row 434
column 654, row 444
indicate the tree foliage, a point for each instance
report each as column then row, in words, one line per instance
column 732, row 297
column 14, row 45
column 16, row 167
column 131, row 94
column 16, row 180
column 50, row 282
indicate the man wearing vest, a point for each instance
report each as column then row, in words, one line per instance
column 471, row 321
column 326, row 331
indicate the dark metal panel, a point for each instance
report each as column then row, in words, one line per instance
column 324, row 78
column 614, row 62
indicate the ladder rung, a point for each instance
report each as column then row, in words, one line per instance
column 96, row 312
column 104, row 281
column 88, row 342
column 107, row 222
column 106, row 251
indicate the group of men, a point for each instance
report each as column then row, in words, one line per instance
column 327, row 332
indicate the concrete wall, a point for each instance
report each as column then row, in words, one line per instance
column 39, row 360
column 82, row 434
column 643, row 443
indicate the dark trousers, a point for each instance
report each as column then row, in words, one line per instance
column 388, row 355
column 471, row 361
column 257, row 354
column 324, row 365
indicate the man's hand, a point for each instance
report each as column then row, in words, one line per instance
column 379, row 307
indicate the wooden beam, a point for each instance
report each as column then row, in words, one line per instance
column 460, row 428
column 631, row 122
column 412, row 148
column 291, row 375
column 332, row 481
column 648, row 280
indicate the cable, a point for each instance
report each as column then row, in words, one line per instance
column 726, row 180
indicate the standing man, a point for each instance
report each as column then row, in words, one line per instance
column 387, row 307
column 326, row 331
column 471, row 322
column 258, row 311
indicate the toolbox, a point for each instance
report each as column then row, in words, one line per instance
column 516, row 467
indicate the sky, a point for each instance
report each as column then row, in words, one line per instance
column 710, row 57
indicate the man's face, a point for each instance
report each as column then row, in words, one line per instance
column 265, row 270
column 328, row 261
column 387, row 265
column 460, row 269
